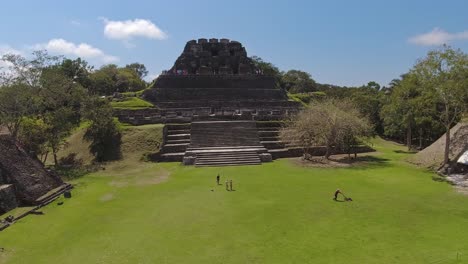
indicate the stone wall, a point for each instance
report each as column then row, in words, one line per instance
column 7, row 198
column 215, row 81
column 27, row 174
column 186, row 115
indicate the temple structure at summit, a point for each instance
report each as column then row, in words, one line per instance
column 212, row 100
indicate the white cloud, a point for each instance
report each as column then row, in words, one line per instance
column 438, row 37
column 129, row 29
column 75, row 23
column 83, row 50
column 5, row 49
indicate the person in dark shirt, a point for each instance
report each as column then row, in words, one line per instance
column 217, row 179
column 338, row 191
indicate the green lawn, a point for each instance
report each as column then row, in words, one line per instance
column 279, row 213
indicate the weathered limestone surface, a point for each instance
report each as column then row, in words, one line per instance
column 28, row 176
column 218, row 75
column 7, row 198
column 213, row 57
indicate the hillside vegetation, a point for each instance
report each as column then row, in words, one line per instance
column 136, row 141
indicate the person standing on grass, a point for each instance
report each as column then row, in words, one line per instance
column 227, row 185
column 230, row 184
column 217, row 179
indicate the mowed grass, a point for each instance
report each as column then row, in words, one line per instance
column 279, row 213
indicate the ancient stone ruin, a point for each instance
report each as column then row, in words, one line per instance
column 211, row 57
column 213, row 100
column 23, row 179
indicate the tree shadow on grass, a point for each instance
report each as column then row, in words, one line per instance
column 405, row 151
column 370, row 161
column 343, row 161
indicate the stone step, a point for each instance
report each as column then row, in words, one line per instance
column 227, row 157
column 269, row 124
column 178, row 131
column 268, row 128
column 228, row 154
column 171, row 148
column 176, row 156
column 227, row 164
column 178, row 136
column 177, row 141
column 269, row 139
column 178, row 126
column 268, row 133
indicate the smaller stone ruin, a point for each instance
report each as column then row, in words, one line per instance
column 23, row 179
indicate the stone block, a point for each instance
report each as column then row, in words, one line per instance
column 265, row 157
column 202, row 41
column 189, row 160
column 7, row 198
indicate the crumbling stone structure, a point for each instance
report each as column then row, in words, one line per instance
column 7, row 198
column 213, row 57
column 218, row 74
column 22, row 177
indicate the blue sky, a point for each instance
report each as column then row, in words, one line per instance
column 339, row 42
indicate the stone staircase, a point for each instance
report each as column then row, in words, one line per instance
column 224, row 143
column 176, row 141
column 227, row 157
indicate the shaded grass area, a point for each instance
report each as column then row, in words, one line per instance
column 136, row 141
column 279, row 213
column 131, row 103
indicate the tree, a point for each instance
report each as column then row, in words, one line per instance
column 61, row 100
column 267, row 68
column 78, row 70
column 443, row 74
column 334, row 124
column 103, row 133
column 16, row 102
column 28, row 72
column 373, row 85
column 368, row 100
column 139, row 68
column 32, row 136
column 110, row 79
column 296, row 81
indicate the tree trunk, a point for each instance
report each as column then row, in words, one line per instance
column 55, row 159
column 447, row 145
column 45, row 157
column 328, row 152
column 408, row 135
column 420, row 138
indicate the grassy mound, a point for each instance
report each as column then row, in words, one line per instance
column 433, row 156
column 136, row 141
column 278, row 213
column 131, row 103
